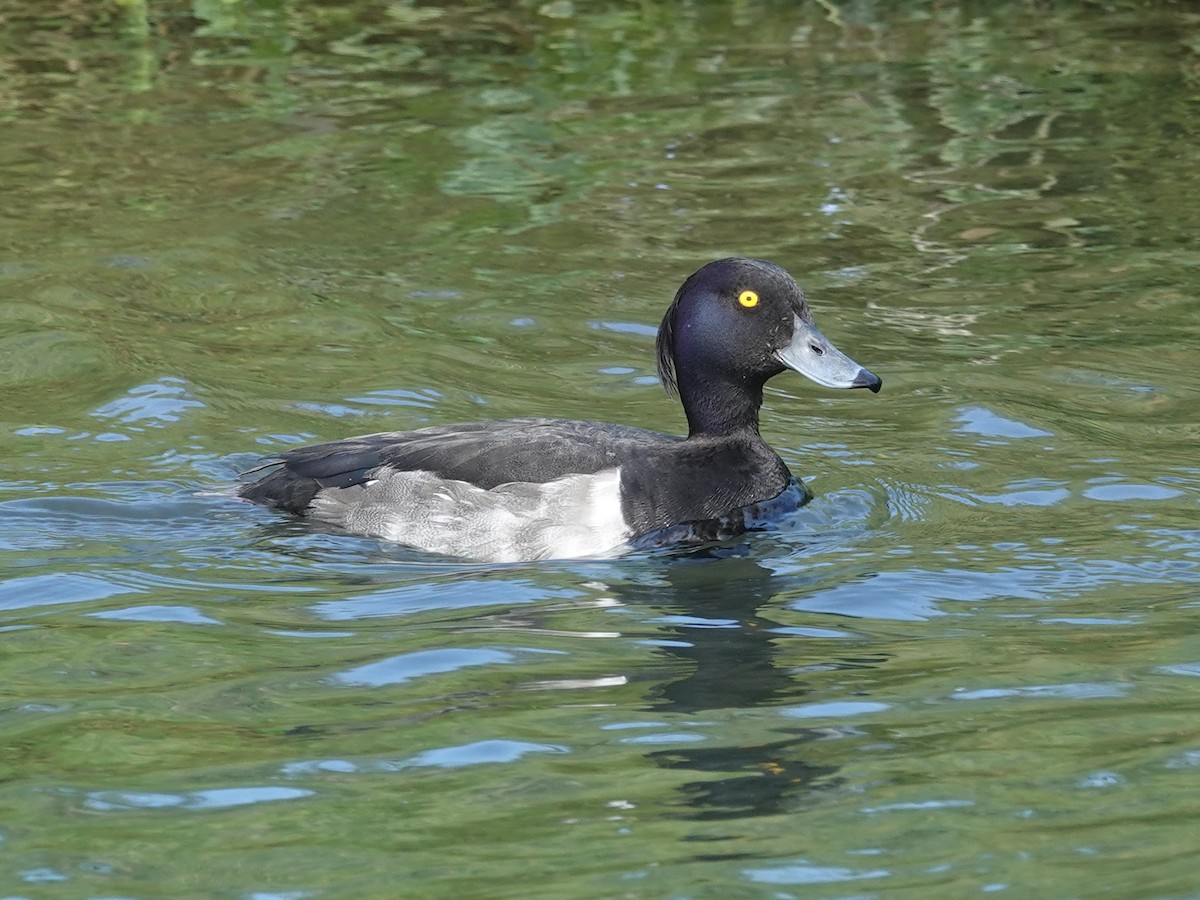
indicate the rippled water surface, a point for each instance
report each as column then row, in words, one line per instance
column 971, row 665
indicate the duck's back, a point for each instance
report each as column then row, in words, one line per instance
column 482, row 454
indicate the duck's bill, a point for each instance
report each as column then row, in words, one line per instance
column 812, row 355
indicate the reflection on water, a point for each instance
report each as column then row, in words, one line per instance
column 968, row 665
column 728, row 646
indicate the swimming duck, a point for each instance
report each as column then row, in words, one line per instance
column 525, row 489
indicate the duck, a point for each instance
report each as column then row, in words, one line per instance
column 527, row 489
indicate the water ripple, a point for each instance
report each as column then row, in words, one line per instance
column 216, row 798
column 407, row 666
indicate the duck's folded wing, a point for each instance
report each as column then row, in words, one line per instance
column 485, row 454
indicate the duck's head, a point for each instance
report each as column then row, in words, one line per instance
column 734, row 324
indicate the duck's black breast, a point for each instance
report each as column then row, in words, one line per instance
column 665, row 480
column 700, row 479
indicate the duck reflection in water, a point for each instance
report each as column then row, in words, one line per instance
column 715, row 627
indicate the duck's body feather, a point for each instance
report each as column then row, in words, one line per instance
column 575, row 516
column 551, row 483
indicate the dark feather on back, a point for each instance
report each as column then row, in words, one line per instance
column 485, row 454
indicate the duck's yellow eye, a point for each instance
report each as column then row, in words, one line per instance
column 748, row 299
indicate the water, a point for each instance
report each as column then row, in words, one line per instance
column 970, row 666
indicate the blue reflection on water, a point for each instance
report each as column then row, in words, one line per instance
column 407, row 666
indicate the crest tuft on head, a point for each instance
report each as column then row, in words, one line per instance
column 666, row 343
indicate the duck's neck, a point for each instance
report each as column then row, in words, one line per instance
column 718, row 406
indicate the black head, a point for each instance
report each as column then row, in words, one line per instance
column 734, row 324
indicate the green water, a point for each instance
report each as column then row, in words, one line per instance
column 971, row 666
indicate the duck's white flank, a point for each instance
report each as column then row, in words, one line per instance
column 576, row 516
